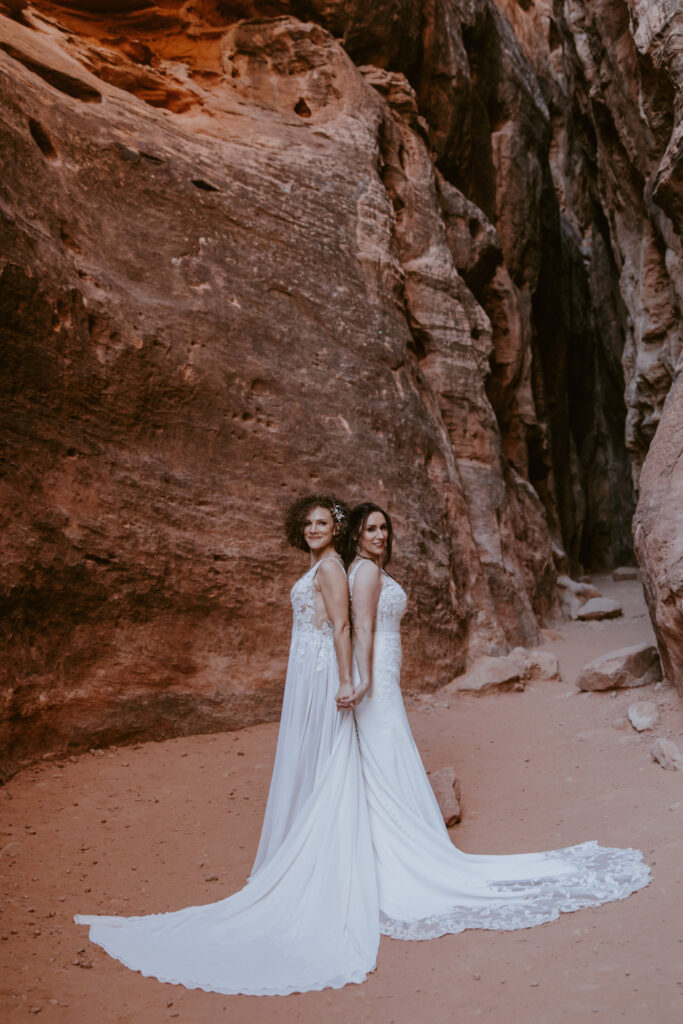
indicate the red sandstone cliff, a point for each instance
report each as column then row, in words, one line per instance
column 407, row 252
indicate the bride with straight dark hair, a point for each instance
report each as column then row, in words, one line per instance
column 426, row 886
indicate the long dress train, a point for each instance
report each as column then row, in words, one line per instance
column 427, row 887
column 308, row 917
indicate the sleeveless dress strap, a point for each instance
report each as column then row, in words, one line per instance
column 352, row 574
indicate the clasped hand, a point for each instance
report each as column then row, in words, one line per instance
column 346, row 697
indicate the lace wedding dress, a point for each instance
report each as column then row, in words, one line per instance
column 427, row 887
column 308, row 917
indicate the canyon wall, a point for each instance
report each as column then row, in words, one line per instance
column 659, row 534
column 658, row 526
column 423, row 252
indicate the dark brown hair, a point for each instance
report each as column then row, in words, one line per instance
column 295, row 519
column 356, row 524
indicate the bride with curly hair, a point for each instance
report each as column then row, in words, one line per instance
column 308, row 915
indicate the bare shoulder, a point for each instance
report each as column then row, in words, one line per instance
column 331, row 572
column 368, row 574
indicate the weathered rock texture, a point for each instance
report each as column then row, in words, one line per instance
column 658, row 528
column 252, row 249
column 638, row 665
column 659, row 535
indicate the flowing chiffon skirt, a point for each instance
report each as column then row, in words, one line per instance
column 308, row 917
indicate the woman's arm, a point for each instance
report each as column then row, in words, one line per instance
column 366, row 590
column 334, row 589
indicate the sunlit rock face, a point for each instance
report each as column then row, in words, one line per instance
column 251, row 250
column 209, row 308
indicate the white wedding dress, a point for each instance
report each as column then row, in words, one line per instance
column 353, row 842
column 426, row 886
column 308, row 917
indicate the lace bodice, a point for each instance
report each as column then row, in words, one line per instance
column 309, row 612
column 391, row 605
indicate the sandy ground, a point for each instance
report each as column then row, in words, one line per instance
column 162, row 825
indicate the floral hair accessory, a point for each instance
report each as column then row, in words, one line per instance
column 337, row 513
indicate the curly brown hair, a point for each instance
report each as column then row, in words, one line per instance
column 295, row 519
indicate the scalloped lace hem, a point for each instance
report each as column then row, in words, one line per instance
column 603, row 874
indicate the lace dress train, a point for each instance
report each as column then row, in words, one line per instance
column 308, row 917
column 426, row 886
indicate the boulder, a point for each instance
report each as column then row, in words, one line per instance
column 599, row 608
column 628, row 667
column 447, row 792
column 583, row 589
column 536, row 664
column 625, row 572
column 666, row 753
column 573, row 594
column 489, row 675
column 643, row 715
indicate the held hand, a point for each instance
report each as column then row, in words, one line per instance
column 344, row 696
column 358, row 694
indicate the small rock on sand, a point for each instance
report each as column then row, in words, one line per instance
column 447, row 792
column 667, row 754
column 599, row 608
column 629, row 666
column 625, row 572
column 643, row 715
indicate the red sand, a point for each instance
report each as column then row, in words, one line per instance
column 163, row 825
